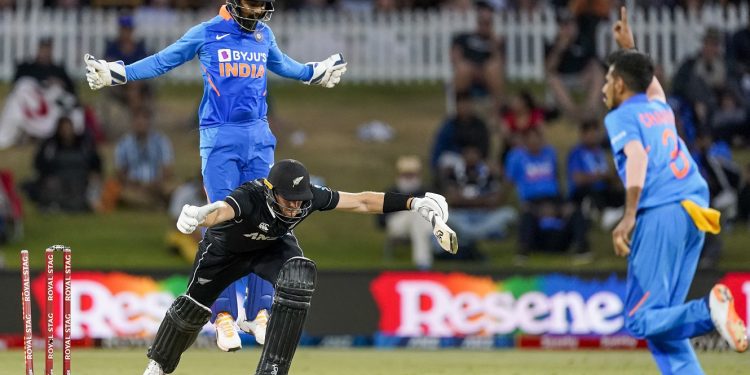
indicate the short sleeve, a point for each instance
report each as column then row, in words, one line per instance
column 324, row 199
column 622, row 127
column 240, row 201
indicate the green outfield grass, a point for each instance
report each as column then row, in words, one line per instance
column 386, row 362
column 329, row 118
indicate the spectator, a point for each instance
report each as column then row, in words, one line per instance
column 143, row 161
column 590, row 178
column 522, row 114
column 68, row 171
column 463, row 129
column 126, row 48
column 699, row 78
column 588, row 14
column 729, row 121
column 425, row 4
column 405, row 224
column 547, row 223
column 44, row 70
column 726, row 185
column 572, row 65
column 477, row 201
column 458, row 5
column 740, row 64
column 386, row 6
column 477, row 58
column 11, row 210
column 42, row 93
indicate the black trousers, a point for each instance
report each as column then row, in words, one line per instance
column 214, row 269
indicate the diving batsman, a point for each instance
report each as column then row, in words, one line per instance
column 252, row 231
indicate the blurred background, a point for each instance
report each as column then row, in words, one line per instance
column 495, row 104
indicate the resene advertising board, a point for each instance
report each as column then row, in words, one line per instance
column 392, row 308
column 457, row 304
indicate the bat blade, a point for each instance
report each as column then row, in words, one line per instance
column 445, row 235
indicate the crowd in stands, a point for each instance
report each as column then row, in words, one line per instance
column 490, row 157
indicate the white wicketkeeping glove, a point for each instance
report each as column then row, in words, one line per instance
column 193, row 216
column 100, row 73
column 434, row 209
column 328, row 72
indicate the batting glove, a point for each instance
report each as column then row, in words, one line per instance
column 430, row 202
column 100, row 73
column 193, row 216
column 434, row 209
column 328, row 72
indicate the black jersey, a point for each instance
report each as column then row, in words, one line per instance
column 255, row 226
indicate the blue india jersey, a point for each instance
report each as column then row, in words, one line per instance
column 586, row 160
column 234, row 64
column 672, row 174
column 535, row 175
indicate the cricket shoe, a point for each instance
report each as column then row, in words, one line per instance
column 153, row 368
column 256, row 327
column 725, row 318
column 227, row 338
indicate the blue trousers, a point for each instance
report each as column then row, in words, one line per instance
column 230, row 156
column 664, row 255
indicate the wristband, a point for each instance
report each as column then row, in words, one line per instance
column 393, row 202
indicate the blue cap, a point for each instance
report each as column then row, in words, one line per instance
column 125, row 21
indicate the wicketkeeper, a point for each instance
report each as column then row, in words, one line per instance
column 252, row 231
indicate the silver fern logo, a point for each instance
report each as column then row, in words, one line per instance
column 297, row 180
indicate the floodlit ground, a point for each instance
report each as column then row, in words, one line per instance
column 387, row 362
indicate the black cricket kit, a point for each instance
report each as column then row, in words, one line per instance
column 256, row 240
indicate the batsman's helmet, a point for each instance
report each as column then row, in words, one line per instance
column 289, row 179
column 250, row 21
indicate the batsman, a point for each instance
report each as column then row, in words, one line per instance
column 252, row 231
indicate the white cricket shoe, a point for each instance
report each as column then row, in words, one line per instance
column 725, row 318
column 153, row 368
column 256, row 327
column 227, row 338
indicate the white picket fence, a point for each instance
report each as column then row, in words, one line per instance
column 394, row 48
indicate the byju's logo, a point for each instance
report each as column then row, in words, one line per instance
column 225, row 54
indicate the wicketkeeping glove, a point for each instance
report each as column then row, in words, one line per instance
column 100, row 73
column 434, row 209
column 328, row 72
column 193, row 216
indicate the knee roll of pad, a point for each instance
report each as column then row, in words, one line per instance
column 296, row 283
column 179, row 329
column 294, row 289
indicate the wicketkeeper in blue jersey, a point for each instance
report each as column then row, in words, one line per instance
column 666, row 217
column 236, row 50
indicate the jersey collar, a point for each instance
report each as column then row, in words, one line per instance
column 637, row 98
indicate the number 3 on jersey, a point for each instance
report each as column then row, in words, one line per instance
column 679, row 173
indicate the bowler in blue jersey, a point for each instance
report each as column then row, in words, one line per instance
column 236, row 50
column 666, row 217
